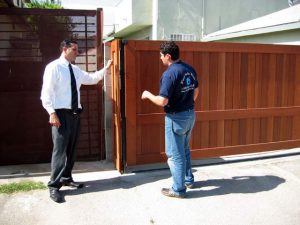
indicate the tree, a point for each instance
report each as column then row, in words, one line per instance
column 51, row 30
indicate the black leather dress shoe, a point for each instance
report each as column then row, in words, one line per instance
column 73, row 184
column 56, row 196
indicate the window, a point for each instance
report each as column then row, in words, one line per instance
column 182, row 37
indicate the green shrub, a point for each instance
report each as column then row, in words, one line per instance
column 44, row 4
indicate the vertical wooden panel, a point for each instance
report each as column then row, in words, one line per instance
column 115, row 76
column 264, row 98
column 221, row 97
column 296, row 120
column 290, row 94
column 213, row 96
column 291, row 80
column 204, row 101
column 237, row 73
column 198, row 66
column 284, row 94
column 148, row 79
column 228, row 97
column 278, row 96
column 131, row 57
column 270, row 96
column 250, row 92
column 257, row 97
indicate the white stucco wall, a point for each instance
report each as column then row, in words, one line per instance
column 123, row 14
column 133, row 14
column 179, row 17
column 191, row 17
column 142, row 12
column 185, row 17
column 220, row 14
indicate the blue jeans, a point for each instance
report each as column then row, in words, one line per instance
column 178, row 129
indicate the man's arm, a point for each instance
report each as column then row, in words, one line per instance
column 196, row 93
column 94, row 78
column 47, row 95
column 156, row 99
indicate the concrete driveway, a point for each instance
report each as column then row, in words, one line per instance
column 259, row 192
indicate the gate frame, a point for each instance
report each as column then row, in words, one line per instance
column 206, row 115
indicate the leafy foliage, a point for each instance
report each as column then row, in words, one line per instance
column 44, row 4
column 51, row 30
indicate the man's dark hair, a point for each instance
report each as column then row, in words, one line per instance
column 170, row 47
column 67, row 43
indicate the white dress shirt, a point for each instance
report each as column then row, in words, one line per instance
column 56, row 90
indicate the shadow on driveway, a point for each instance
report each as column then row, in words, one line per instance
column 242, row 184
column 215, row 187
column 120, row 182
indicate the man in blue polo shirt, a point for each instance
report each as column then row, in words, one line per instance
column 177, row 94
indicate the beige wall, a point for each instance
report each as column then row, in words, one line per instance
column 187, row 17
column 221, row 14
column 191, row 17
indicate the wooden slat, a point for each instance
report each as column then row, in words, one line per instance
column 250, row 93
column 226, row 114
column 204, row 153
column 116, row 110
column 271, row 85
column 243, row 149
column 196, row 140
column 257, row 97
column 221, row 97
column 296, row 119
column 131, row 96
column 221, row 47
column 213, row 96
column 228, row 97
column 204, row 98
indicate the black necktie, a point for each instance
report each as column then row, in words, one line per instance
column 74, row 89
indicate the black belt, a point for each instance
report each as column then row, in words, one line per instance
column 71, row 111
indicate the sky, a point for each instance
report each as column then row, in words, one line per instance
column 106, row 5
column 88, row 4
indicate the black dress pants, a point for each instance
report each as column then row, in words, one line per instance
column 65, row 139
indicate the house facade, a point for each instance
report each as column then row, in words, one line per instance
column 282, row 27
column 185, row 20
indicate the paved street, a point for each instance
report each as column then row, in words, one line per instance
column 258, row 192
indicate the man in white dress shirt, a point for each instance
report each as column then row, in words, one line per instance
column 61, row 98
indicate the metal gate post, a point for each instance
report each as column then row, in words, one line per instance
column 122, row 102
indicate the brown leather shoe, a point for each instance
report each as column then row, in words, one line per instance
column 168, row 192
column 56, row 196
column 190, row 186
column 73, row 184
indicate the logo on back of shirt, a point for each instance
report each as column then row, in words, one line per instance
column 187, row 82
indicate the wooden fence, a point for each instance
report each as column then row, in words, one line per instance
column 30, row 39
column 249, row 99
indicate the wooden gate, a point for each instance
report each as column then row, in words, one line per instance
column 29, row 39
column 249, row 99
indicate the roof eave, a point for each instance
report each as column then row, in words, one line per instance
column 256, row 31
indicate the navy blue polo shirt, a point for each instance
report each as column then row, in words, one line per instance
column 177, row 84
